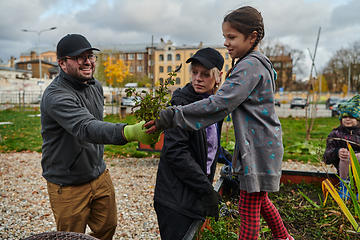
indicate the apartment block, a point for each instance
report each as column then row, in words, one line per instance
column 167, row 57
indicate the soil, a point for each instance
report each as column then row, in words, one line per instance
column 302, row 219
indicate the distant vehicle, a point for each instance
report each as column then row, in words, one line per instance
column 277, row 102
column 128, row 101
column 331, row 102
column 335, row 108
column 298, row 102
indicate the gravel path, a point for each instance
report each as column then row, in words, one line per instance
column 25, row 208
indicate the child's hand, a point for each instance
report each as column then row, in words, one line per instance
column 151, row 127
column 344, row 154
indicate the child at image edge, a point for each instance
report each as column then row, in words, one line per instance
column 248, row 94
column 337, row 152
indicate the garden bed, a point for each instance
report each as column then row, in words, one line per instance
column 302, row 219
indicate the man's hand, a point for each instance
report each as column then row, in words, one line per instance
column 210, row 204
column 137, row 133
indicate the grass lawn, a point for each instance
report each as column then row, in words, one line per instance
column 294, row 138
column 24, row 134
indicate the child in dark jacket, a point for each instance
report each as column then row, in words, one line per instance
column 337, row 152
column 184, row 190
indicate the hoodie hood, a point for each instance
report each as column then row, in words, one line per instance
column 265, row 61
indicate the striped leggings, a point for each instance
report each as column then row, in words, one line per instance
column 251, row 205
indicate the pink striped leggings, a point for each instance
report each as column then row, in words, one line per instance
column 251, row 205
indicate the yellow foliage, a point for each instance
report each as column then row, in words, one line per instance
column 344, row 88
column 115, row 72
column 324, row 86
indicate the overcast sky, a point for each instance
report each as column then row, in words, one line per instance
column 292, row 22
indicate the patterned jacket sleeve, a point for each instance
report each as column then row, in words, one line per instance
column 331, row 155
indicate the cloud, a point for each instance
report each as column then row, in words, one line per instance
column 293, row 22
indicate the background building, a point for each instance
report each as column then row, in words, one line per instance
column 168, row 57
column 47, row 54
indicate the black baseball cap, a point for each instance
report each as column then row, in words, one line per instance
column 73, row 45
column 208, row 57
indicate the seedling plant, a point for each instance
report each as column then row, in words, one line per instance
column 149, row 105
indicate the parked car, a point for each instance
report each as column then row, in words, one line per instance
column 298, row 102
column 331, row 102
column 335, row 108
column 127, row 101
column 277, row 102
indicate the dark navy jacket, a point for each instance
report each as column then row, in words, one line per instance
column 181, row 177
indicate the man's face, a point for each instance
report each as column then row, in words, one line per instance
column 82, row 72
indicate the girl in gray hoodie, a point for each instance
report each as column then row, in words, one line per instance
column 248, row 94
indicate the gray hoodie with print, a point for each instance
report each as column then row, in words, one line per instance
column 248, row 94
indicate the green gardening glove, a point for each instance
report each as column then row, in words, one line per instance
column 137, row 133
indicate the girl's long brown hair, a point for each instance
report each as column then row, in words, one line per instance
column 246, row 20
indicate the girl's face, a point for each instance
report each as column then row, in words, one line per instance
column 349, row 121
column 236, row 42
column 201, row 79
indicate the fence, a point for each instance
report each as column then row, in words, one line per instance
column 19, row 99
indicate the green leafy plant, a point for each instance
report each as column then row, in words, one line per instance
column 328, row 187
column 216, row 230
column 303, row 147
column 152, row 103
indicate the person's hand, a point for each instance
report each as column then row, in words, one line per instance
column 137, row 133
column 151, row 127
column 344, row 154
column 210, row 204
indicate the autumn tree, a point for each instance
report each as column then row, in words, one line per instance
column 274, row 49
column 115, row 72
column 324, row 85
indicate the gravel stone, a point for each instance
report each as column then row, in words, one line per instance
column 25, row 208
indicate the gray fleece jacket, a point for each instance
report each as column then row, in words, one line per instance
column 73, row 131
column 248, row 94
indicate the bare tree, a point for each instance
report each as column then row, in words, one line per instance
column 274, row 50
column 344, row 62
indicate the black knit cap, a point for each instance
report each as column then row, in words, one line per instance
column 208, row 57
column 73, row 45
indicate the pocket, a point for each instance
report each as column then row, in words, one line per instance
column 72, row 165
column 107, row 178
column 55, row 196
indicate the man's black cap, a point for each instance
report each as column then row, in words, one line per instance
column 73, row 45
column 208, row 57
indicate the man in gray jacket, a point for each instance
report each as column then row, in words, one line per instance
column 79, row 185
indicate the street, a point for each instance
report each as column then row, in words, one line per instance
column 283, row 111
